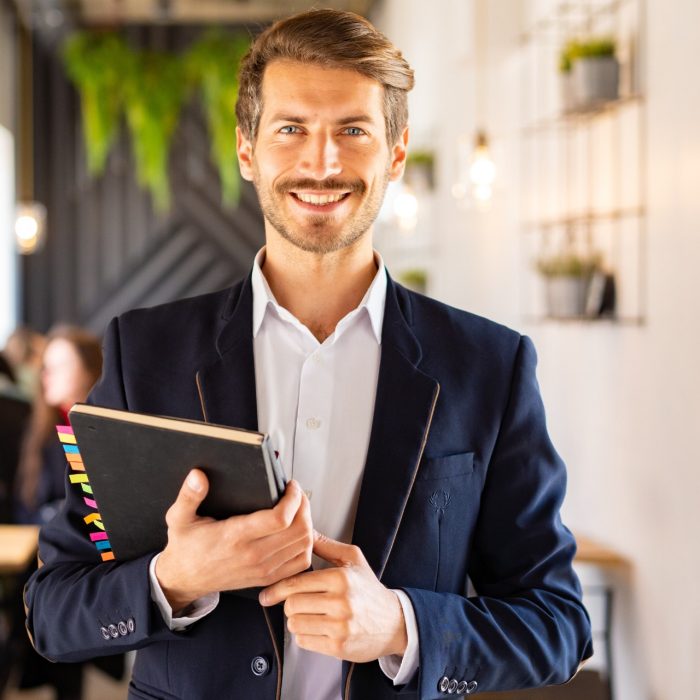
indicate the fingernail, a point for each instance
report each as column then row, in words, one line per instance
column 194, row 483
column 263, row 597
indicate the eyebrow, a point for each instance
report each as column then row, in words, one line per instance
column 353, row 119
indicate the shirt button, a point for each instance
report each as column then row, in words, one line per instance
column 308, row 493
column 260, row 666
column 313, row 423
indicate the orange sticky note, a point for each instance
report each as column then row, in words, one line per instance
column 92, row 517
column 107, row 556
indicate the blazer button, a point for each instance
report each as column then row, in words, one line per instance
column 260, row 666
column 471, row 687
column 123, row 631
column 452, row 687
column 130, row 625
column 113, row 631
column 105, row 633
column 443, row 684
column 462, row 688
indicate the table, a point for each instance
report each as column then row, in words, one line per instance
column 18, row 545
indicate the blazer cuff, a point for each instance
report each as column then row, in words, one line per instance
column 195, row 611
column 400, row 669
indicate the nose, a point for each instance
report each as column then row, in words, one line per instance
column 320, row 157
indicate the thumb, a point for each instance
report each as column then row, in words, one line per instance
column 192, row 493
column 335, row 552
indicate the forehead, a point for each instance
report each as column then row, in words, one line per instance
column 312, row 90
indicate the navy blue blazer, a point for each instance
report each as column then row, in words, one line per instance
column 461, row 481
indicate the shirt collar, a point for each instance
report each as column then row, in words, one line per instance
column 373, row 300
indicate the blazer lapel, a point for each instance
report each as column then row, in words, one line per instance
column 227, row 386
column 404, row 406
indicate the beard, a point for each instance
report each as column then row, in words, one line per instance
column 321, row 233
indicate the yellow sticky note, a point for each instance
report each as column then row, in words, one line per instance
column 78, row 478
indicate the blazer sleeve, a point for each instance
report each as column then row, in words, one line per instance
column 527, row 626
column 75, row 602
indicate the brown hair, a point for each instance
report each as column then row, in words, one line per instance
column 333, row 39
column 44, row 418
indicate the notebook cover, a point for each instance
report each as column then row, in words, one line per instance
column 135, row 472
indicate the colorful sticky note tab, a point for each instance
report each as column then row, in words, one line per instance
column 74, row 457
column 107, row 556
column 97, row 536
column 92, row 517
column 67, row 439
column 77, row 466
column 104, row 544
column 71, row 449
column 98, row 523
column 78, row 478
column 89, row 502
column 66, row 429
column 87, row 488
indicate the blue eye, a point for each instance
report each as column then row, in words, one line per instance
column 354, row 131
column 294, row 129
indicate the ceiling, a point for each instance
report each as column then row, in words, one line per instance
column 54, row 14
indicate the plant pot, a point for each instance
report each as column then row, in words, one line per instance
column 566, row 92
column 595, row 80
column 566, row 296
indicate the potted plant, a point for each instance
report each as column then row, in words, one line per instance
column 420, row 169
column 567, row 278
column 566, row 60
column 595, row 72
column 415, row 279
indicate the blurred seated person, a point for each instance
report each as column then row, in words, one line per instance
column 24, row 349
column 14, row 414
column 71, row 364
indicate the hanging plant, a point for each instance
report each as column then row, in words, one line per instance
column 95, row 64
column 150, row 88
column 212, row 66
column 154, row 92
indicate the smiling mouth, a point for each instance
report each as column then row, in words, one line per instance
column 320, row 201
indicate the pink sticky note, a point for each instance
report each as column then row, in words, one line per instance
column 95, row 536
column 64, row 429
column 89, row 502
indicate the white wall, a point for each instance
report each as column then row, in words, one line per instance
column 8, row 257
column 623, row 402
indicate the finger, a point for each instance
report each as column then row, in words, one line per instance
column 192, row 493
column 299, row 529
column 323, row 581
column 317, row 625
column 272, row 520
column 291, row 551
column 337, row 553
column 312, row 604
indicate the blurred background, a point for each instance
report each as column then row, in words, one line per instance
column 553, row 184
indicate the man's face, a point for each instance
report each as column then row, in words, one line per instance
column 320, row 161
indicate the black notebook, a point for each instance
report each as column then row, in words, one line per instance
column 132, row 466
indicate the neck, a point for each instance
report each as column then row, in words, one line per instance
column 319, row 288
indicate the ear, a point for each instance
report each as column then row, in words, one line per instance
column 398, row 156
column 244, row 148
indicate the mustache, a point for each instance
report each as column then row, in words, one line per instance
column 330, row 185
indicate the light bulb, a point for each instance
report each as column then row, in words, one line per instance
column 30, row 223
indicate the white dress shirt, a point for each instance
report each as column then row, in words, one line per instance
column 316, row 401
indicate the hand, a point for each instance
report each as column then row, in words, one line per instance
column 204, row 555
column 343, row 611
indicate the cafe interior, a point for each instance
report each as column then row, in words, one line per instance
column 552, row 184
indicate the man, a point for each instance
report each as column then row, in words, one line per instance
column 411, row 429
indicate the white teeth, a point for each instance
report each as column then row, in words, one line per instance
column 319, row 198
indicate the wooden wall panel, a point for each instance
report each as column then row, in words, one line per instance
column 107, row 250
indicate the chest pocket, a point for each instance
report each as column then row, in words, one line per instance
column 459, row 464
